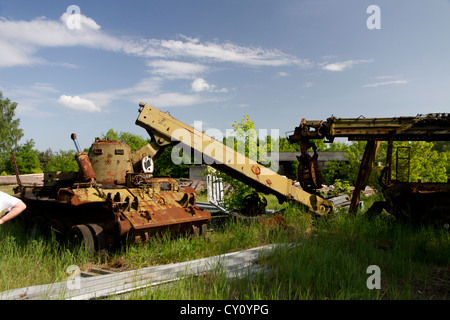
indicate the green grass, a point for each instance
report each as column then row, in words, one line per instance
column 7, row 189
column 27, row 261
column 330, row 263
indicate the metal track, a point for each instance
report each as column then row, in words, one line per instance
column 235, row 264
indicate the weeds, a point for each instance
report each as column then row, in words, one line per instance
column 330, row 261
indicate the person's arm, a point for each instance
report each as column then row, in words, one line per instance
column 14, row 212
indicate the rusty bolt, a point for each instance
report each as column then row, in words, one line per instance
column 256, row 170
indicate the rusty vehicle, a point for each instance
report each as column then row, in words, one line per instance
column 114, row 196
column 111, row 199
column 419, row 202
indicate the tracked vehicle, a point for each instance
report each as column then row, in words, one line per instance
column 111, row 199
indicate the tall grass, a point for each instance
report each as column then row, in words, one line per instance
column 330, row 263
column 27, row 260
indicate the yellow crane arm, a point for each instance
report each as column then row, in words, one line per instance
column 165, row 130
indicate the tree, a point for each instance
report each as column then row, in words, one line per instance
column 44, row 158
column 443, row 147
column 426, row 164
column 134, row 141
column 164, row 166
column 244, row 141
column 10, row 133
column 26, row 159
column 62, row 161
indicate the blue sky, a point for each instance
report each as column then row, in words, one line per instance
column 216, row 61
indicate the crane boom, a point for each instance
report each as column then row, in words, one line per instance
column 430, row 127
column 165, row 130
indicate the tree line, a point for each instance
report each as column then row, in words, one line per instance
column 430, row 161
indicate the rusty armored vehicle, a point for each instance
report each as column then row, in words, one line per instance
column 111, row 199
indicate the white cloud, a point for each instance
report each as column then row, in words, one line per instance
column 176, row 69
column 30, row 97
column 77, row 103
column 175, row 99
column 385, row 83
column 41, row 32
column 145, row 87
column 200, row 84
column 388, row 77
column 223, row 52
column 37, row 90
column 44, row 87
column 149, row 90
column 343, row 65
column 21, row 40
column 16, row 54
column 84, row 22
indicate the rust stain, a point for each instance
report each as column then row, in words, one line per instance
column 256, row 170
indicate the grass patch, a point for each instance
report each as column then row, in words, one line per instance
column 333, row 260
column 330, row 263
column 30, row 260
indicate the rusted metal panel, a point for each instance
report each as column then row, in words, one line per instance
column 111, row 161
column 85, row 166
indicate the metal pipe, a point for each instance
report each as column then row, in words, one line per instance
column 73, row 136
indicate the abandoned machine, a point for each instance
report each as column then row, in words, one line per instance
column 114, row 195
column 413, row 201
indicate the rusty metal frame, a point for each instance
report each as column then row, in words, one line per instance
column 429, row 127
column 401, row 168
column 364, row 172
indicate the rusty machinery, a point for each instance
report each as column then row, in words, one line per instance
column 416, row 201
column 110, row 200
column 114, row 196
column 166, row 130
